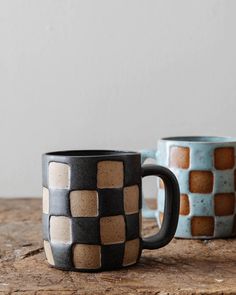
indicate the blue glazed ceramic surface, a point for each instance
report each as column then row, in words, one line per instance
column 205, row 169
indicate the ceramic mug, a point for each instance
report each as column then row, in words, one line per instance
column 206, row 172
column 92, row 209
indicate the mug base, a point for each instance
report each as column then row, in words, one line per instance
column 101, row 269
column 204, row 237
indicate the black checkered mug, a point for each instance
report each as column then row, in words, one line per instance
column 92, row 209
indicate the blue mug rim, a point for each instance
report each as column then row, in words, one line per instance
column 201, row 139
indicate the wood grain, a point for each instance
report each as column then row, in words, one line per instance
column 182, row 267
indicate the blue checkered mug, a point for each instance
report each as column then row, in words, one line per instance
column 205, row 168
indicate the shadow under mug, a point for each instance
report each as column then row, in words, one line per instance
column 92, row 209
column 206, row 172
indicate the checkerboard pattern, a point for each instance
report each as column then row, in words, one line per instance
column 207, row 178
column 91, row 216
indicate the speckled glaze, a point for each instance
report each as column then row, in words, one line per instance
column 205, row 169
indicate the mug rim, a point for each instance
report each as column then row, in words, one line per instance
column 90, row 153
column 200, row 139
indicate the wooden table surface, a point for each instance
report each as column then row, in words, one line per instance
column 182, row 267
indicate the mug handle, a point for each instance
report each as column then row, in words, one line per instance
column 171, row 212
column 147, row 154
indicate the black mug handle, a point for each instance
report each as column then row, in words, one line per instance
column 171, row 212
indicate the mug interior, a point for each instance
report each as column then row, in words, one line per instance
column 90, row 153
column 201, row 139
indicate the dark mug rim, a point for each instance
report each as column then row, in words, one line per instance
column 201, row 139
column 90, row 153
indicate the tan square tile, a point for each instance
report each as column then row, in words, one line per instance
column 184, row 205
column 87, row 256
column 59, row 175
column 45, row 200
column 202, row 226
column 112, row 229
column 84, row 203
column 224, row 204
column 131, row 199
column 60, row 229
column 161, row 216
column 48, row 252
column 224, row 158
column 179, row 157
column 131, row 252
column 161, row 184
column 201, row 182
column 110, row 174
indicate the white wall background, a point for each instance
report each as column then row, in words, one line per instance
column 110, row 74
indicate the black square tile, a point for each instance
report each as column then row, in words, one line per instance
column 112, row 256
column 59, row 203
column 140, row 196
column 45, row 224
column 83, row 173
column 62, row 255
column 132, row 170
column 110, row 202
column 86, row 230
column 132, row 226
column 45, row 172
